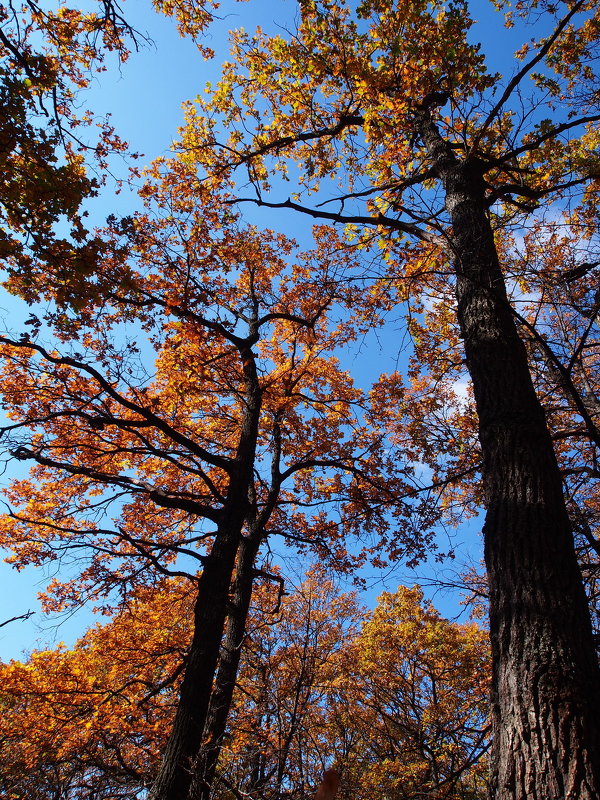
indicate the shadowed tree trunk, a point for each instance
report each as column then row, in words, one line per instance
column 546, row 681
column 209, row 619
column 231, row 650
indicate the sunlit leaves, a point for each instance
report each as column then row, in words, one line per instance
column 396, row 696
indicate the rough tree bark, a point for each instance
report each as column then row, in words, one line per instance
column 546, row 680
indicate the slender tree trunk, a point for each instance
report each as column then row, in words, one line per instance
column 546, row 681
column 174, row 777
column 231, row 650
column 545, row 675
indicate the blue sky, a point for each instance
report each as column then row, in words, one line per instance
column 144, row 97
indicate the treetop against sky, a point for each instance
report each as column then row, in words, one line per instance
column 185, row 388
column 143, row 96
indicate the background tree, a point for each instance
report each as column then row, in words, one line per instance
column 313, row 688
column 397, row 698
column 421, row 711
column 280, row 735
column 92, row 721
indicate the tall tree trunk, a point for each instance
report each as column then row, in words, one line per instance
column 174, row 778
column 545, row 679
column 231, row 650
column 175, row 775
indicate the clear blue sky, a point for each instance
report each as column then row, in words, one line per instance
column 144, row 98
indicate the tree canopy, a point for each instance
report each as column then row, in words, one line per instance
column 184, row 396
